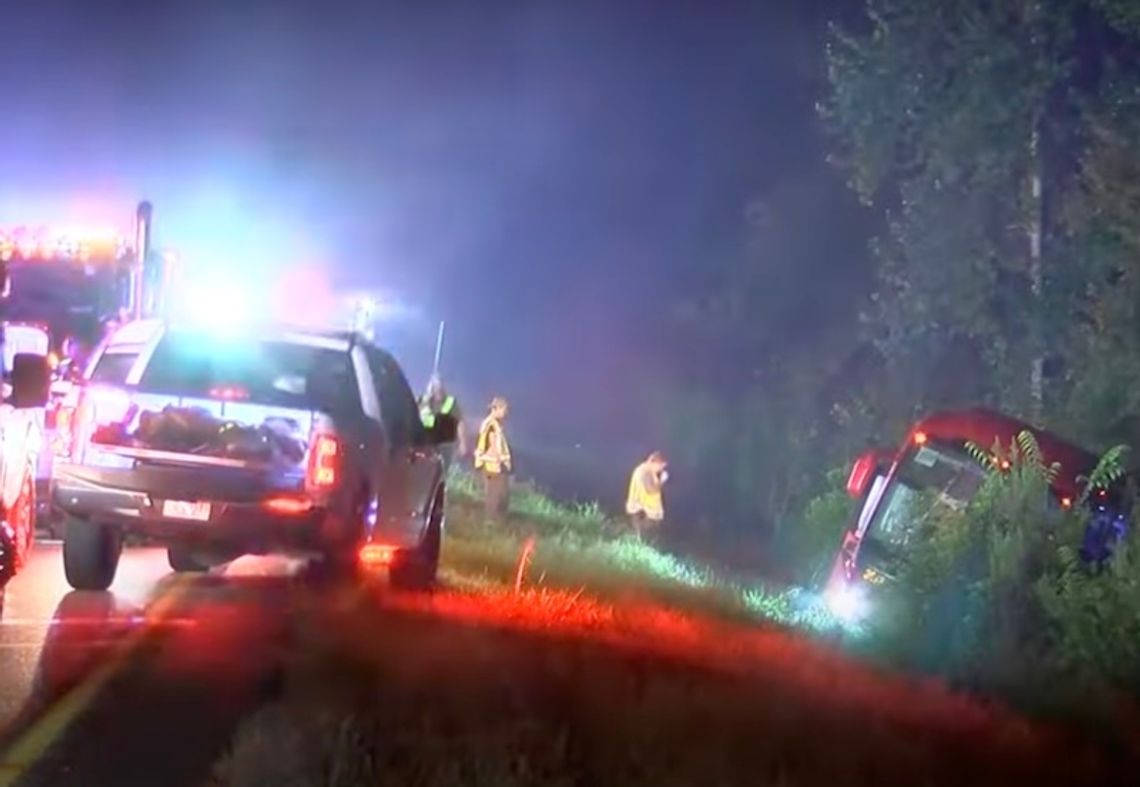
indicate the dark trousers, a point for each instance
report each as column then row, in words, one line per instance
column 496, row 495
column 447, row 454
column 644, row 528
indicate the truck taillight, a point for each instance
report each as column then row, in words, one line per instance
column 323, row 471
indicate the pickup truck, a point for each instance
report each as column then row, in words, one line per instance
column 271, row 441
column 24, row 395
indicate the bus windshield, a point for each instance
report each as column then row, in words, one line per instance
column 942, row 474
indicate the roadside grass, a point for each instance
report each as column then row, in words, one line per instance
column 576, row 546
column 549, row 687
column 613, row 664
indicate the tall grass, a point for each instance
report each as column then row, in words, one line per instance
column 579, row 546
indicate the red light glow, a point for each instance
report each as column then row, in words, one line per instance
column 323, row 462
column 377, row 555
column 920, row 438
column 229, row 393
column 287, row 505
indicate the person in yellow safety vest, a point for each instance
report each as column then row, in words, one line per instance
column 643, row 504
column 437, row 401
column 493, row 460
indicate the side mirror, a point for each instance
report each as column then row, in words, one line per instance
column 862, row 472
column 31, row 380
column 444, row 430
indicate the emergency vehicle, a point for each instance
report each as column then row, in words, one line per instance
column 74, row 282
column 934, row 457
column 219, row 442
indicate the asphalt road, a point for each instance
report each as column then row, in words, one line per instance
column 143, row 684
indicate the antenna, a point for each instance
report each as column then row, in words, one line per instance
column 438, row 349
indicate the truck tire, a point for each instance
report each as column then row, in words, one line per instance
column 339, row 559
column 417, row 569
column 185, row 560
column 91, row 554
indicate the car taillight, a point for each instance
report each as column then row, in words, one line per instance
column 323, row 471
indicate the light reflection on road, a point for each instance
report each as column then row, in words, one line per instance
column 51, row 637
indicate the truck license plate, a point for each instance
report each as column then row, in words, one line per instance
column 184, row 509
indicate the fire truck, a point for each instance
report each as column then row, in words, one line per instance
column 934, row 458
column 73, row 283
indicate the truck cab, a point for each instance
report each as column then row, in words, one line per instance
column 72, row 283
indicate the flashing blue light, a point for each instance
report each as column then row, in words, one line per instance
column 220, row 304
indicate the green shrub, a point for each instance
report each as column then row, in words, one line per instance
column 807, row 545
column 996, row 598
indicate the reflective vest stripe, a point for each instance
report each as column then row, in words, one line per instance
column 428, row 413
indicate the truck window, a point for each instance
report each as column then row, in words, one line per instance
column 398, row 407
column 275, row 373
column 113, row 367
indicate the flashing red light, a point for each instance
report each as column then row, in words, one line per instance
column 49, row 244
column 1066, row 502
column 288, row 505
column 920, row 438
column 377, row 555
column 1005, row 464
column 323, row 462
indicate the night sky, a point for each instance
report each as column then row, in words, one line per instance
column 548, row 177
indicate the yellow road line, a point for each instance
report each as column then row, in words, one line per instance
column 26, row 750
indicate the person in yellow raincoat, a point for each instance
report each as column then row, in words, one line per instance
column 644, row 504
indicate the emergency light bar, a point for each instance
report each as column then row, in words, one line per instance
column 83, row 244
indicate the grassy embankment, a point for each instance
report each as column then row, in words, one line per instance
column 580, row 548
column 592, row 674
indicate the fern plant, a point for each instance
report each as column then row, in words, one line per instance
column 1110, row 469
column 1023, row 454
column 999, row 599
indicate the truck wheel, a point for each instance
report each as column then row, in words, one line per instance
column 90, row 554
column 339, row 558
column 185, row 560
column 417, row 569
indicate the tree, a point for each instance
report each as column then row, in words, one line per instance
column 763, row 342
column 1103, row 223
column 957, row 119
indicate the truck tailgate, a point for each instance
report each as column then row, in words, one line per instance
column 192, row 448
